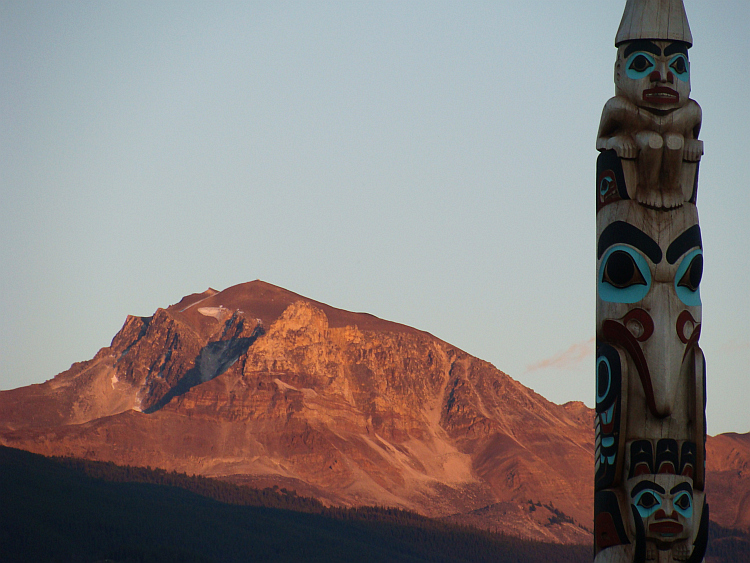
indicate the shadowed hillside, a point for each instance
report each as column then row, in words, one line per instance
column 55, row 510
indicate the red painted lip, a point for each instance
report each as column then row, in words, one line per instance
column 665, row 528
column 661, row 95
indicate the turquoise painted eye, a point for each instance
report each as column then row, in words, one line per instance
column 603, row 378
column 681, row 67
column 605, row 184
column 639, row 65
column 688, row 278
column 683, row 504
column 647, row 502
column 624, row 276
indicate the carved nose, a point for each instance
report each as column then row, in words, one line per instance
column 662, row 515
column 656, row 77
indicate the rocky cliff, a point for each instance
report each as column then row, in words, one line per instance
column 258, row 385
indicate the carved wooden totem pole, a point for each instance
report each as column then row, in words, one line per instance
column 650, row 374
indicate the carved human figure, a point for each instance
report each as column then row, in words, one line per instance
column 651, row 120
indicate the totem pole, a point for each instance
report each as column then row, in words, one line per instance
column 650, row 373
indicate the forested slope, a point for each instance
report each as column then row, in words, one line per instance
column 56, row 510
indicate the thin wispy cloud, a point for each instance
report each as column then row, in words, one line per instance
column 570, row 358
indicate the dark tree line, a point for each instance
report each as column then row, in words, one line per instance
column 65, row 510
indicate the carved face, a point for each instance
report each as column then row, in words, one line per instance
column 648, row 296
column 664, row 505
column 653, row 74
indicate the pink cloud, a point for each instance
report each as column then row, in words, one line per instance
column 567, row 359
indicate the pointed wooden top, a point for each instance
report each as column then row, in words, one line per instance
column 654, row 19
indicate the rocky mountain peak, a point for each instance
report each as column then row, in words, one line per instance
column 256, row 384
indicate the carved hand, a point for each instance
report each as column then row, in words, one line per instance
column 693, row 150
column 623, row 145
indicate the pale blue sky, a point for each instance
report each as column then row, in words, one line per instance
column 431, row 163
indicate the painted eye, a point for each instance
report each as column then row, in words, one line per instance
column 624, row 276
column 688, row 278
column 621, row 270
column 640, row 63
column 647, row 502
column 692, row 276
column 605, row 184
column 680, row 66
column 683, row 501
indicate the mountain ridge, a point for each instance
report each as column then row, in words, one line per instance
column 257, row 384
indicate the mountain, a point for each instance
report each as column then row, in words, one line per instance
column 728, row 482
column 258, row 385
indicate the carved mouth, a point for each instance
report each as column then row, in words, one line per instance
column 665, row 528
column 661, row 95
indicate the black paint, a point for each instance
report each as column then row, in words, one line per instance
column 688, row 240
column 625, row 233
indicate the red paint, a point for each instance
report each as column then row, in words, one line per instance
column 606, row 531
column 667, row 468
column 661, row 95
column 616, row 333
column 612, row 194
column 644, row 319
column 682, row 320
column 693, row 340
column 641, row 469
column 608, row 428
column 665, row 528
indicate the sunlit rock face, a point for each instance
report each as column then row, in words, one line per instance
column 258, row 385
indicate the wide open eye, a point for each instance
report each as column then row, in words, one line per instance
column 647, row 502
column 680, row 67
column 621, row 270
column 684, row 504
column 624, row 276
column 688, row 278
column 639, row 65
column 692, row 276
